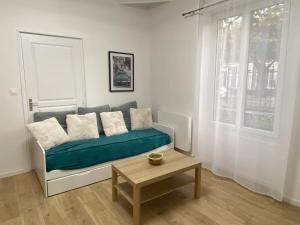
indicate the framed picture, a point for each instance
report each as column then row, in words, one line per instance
column 121, row 72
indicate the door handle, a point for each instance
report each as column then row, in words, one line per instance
column 31, row 104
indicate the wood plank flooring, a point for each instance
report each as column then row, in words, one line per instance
column 223, row 202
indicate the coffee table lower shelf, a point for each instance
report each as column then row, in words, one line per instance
column 155, row 190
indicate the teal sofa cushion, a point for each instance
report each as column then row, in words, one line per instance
column 85, row 153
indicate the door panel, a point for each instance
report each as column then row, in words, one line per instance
column 54, row 69
column 54, row 74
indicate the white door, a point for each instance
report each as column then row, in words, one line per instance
column 53, row 72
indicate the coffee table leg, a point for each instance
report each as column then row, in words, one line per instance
column 114, row 182
column 197, row 182
column 136, row 205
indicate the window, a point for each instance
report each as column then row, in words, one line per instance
column 227, row 70
column 261, row 76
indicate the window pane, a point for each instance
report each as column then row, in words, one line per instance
column 227, row 69
column 263, row 64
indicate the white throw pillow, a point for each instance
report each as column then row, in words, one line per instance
column 82, row 127
column 113, row 123
column 48, row 133
column 141, row 118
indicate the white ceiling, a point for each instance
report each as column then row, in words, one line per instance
column 144, row 4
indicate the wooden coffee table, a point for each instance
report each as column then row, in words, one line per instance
column 145, row 182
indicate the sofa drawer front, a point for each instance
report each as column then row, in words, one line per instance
column 78, row 180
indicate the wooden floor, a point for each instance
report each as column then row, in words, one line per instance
column 223, row 202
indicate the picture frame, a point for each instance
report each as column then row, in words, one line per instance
column 121, row 71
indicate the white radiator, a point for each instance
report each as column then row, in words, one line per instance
column 182, row 126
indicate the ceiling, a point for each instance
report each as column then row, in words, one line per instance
column 144, row 4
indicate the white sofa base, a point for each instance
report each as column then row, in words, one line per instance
column 59, row 181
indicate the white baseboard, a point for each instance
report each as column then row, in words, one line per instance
column 294, row 202
column 16, row 172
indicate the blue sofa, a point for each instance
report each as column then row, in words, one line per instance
column 80, row 163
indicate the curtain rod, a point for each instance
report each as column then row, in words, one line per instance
column 205, row 7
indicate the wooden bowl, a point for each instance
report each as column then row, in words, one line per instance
column 155, row 158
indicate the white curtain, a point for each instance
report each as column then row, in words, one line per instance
column 246, row 93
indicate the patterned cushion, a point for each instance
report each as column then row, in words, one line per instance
column 113, row 123
column 125, row 110
column 141, row 118
column 49, row 133
column 82, row 127
column 97, row 110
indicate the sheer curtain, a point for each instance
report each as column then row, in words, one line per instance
column 246, row 94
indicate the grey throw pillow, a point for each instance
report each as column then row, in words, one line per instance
column 125, row 109
column 60, row 116
column 97, row 110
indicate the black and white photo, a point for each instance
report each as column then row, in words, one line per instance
column 121, row 72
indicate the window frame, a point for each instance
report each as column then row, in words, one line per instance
column 244, row 57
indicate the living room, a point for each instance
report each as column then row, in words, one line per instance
column 215, row 80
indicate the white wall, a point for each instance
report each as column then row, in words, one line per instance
column 103, row 25
column 173, row 57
